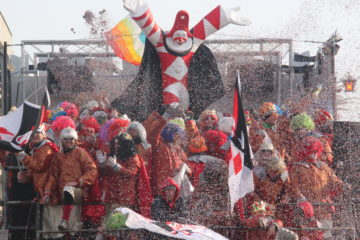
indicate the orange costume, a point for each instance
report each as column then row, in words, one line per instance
column 39, row 166
column 74, row 166
column 272, row 190
column 315, row 181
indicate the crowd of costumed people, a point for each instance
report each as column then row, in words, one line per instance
column 171, row 167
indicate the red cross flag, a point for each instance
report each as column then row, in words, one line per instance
column 240, row 165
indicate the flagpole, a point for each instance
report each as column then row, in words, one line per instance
column 238, row 79
column 5, row 83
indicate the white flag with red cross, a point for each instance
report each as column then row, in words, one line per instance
column 240, row 165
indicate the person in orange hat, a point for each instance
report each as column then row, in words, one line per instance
column 38, row 161
column 192, row 131
column 267, row 120
column 198, row 158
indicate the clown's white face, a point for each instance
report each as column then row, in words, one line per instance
column 180, row 37
column 179, row 42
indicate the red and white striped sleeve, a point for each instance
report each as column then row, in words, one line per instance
column 211, row 23
column 145, row 20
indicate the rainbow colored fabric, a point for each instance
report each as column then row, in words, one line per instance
column 127, row 40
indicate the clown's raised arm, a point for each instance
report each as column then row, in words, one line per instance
column 142, row 15
column 214, row 21
column 217, row 19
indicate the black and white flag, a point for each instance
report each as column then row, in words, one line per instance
column 16, row 127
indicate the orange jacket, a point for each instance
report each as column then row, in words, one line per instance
column 271, row 190
column 39, row 164
column 315, row 181
column 74, row 166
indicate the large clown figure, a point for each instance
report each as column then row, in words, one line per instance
column 176, row 48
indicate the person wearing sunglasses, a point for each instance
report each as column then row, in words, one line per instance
column 38, row 160
column 73, row 172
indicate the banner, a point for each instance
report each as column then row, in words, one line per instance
column 170, row 229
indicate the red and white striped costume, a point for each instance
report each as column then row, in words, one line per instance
column 174, row 69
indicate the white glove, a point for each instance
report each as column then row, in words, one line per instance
column 234, row 17
column 20, row 156
column 100, row 157
column 264, row 223
column 111, row 162
column 133, row 6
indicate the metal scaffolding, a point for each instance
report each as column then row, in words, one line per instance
column 277, row 51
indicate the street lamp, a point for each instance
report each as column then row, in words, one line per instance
column 349, row 83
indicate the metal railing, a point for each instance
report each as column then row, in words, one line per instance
column 37, row 226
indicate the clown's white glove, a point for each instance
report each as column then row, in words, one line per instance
column 135, row 7
column 234, row 17
column 111, row 162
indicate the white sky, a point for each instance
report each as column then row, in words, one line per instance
column 45, row 19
